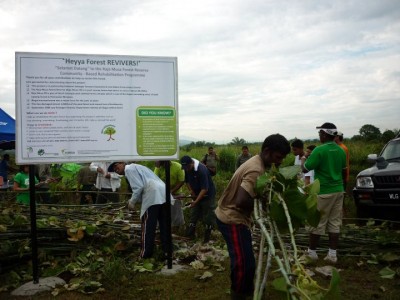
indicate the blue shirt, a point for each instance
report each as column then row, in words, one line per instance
column 200, row 179
column 4, row 169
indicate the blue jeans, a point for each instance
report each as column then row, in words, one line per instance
column 243, row 264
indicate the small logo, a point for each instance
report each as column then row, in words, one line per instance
column 40, row 152
column 110, row 131
column 67, row 152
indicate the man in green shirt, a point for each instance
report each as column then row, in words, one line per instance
column 329, row 164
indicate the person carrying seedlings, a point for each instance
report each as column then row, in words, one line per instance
column 329, row 164
column 235, row 208
column 202, row 189
column 149, row 190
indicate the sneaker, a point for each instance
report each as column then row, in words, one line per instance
column 309, row 257
column 331, row 259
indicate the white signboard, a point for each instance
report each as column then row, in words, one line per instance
column 82, row 108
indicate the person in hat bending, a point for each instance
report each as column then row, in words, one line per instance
column 329, row 164
column 199, row 182
column 149, row 190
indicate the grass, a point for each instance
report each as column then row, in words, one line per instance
column 359, row 281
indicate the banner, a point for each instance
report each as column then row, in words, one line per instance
column 83, row 108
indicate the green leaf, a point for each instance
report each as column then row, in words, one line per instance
column 313, row 217
column 313, row 188
column 148, row 265
column 280, row 284
column 3, row 228
column 387, row 273
column 296, row 203
column 206, row 274
column 90, row 229
column 262, row 181
column 277, row 213
column 334, row 288
column 390, row 257
column 290, row 172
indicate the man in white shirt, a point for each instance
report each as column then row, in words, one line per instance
column 107, row 183
column 149, row 190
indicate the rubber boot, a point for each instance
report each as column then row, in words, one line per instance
column 207, row 234
column 191, row 231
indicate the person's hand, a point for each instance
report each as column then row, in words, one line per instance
column 131, row 205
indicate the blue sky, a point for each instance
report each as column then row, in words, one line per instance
column 246, row 69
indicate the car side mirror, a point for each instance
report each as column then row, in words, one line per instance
column 372, row 158
column 381, row 163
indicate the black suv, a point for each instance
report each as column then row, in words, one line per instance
column 377, row 190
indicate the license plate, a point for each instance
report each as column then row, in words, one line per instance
column 394, row 196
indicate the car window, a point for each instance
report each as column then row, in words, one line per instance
column 392, row 150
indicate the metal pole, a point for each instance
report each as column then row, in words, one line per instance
column 34, row 244
column 168, row 207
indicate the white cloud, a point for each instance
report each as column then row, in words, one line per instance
column 246, row 68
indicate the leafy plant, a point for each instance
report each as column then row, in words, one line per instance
column 283, row 206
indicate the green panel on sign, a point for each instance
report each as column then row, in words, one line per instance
column 156, row 131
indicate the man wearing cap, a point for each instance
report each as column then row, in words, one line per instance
column 235, row 208
column 339, row 141
column 202, row 189
column 149, row 190
column 329, row 164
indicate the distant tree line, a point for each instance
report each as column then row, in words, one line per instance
column 370, row 132
column 367, row 133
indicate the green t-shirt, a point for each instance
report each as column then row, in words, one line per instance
column 328, row 161
column 23, row 181
column 177, row 174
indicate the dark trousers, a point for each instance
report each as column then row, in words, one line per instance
column 154, row 214
column 88, row 195
column 107, row 196
column 204, row 210
column 43, row 195
column 243, row 265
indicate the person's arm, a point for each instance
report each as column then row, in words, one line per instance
column 189, row 187
column 93, row 167
column 216, row 156
column 244, row 201
column 200, row 196
column 18, row 188
column 303, row 161
column 177, row 186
